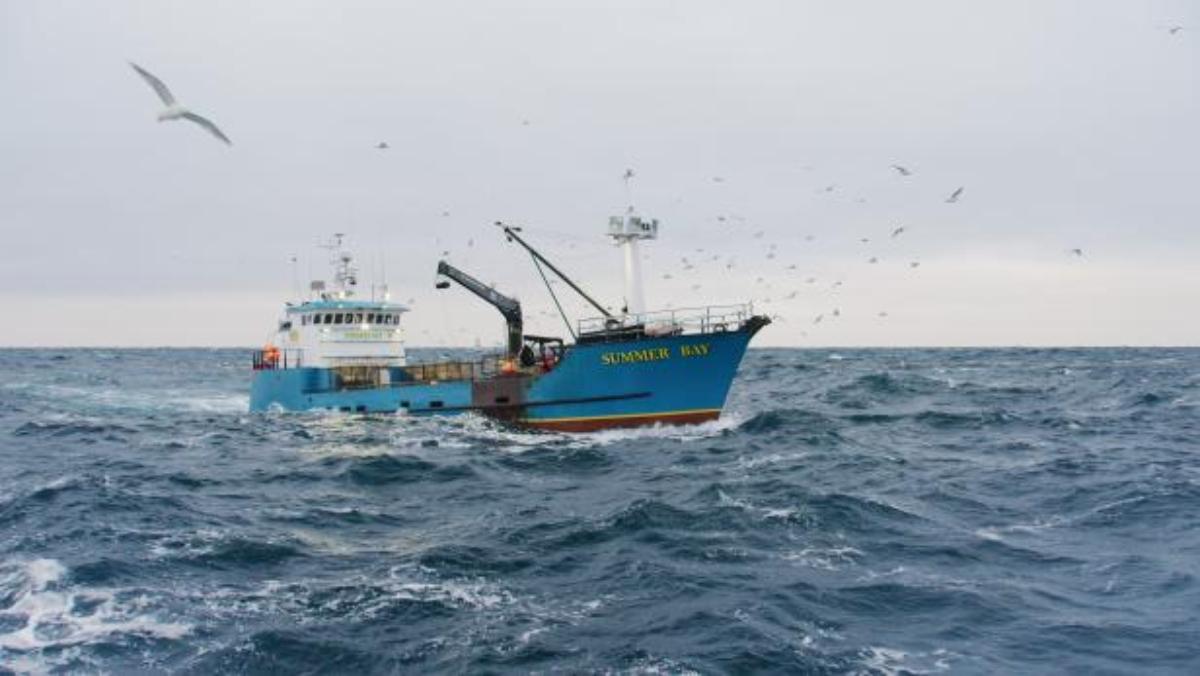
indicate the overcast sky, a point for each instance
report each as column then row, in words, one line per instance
column 1069, row 124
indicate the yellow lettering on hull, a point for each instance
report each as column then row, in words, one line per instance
column 635, row 356
column 652, row 354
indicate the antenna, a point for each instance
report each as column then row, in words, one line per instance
column 628, row 191
column 295, row 277
column 345, row 275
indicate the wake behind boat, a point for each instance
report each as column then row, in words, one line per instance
column 337, row 352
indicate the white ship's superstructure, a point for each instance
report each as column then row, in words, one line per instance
column 333, row 328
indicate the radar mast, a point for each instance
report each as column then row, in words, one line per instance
column 345, row 275
column 627, row 230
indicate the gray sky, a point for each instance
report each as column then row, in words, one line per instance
column 1070, row 124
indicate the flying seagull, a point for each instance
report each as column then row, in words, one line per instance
column 1077, row 252
column 174, row 111
column 898, row 231
column 903, row 171
column 954, row 195
column 382, row 145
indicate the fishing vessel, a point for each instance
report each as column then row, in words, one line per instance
column 336, row 351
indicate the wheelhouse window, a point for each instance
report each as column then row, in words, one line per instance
column 337, row 318
column 371, row 318
column 358, row 318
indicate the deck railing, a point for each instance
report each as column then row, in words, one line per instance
column 673, row 322
column 269, row 360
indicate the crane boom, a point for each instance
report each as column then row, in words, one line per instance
column 511, row 234
column 509, row 307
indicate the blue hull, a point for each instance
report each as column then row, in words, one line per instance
column 672, row 379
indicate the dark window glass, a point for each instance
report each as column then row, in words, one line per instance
column 337, row 319
column 371, row 318
column 358, row 318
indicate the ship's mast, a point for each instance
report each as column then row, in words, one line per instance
column 345, row 275
column 626, row 231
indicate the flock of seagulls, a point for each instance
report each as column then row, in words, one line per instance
column 699, row 268
column 173, row 111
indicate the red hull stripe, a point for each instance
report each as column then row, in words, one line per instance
column 609, row 422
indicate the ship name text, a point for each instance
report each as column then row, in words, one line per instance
column 652, row 354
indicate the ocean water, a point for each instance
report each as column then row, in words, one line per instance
column 854, row 511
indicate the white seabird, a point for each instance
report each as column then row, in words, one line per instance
column 173, row 110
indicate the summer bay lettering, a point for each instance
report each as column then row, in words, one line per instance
column 634, row 356
column 652, row 354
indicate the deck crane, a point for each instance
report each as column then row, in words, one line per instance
column 509, row 307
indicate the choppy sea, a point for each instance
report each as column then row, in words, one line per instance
column 854, row 511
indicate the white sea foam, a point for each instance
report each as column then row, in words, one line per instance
column 825, row 558
column 656, row 666
column 891, row 661
column 477, row 595
column 168, row 399
column 185, row 546
column 997, row 533
column 766, row 513
column 754, row 462
column 475, row 428
column 46, row 613
column 712, row 428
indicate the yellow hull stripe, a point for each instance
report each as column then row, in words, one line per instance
column 624, row 416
